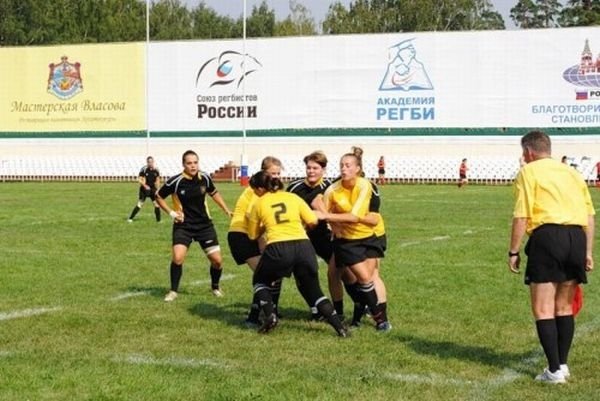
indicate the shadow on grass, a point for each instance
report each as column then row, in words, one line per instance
column 520, row 362
column 234, row 314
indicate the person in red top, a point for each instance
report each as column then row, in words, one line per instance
column 381, row 171
column 462, row 173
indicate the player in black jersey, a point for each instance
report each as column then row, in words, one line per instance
column 308, row 188
column 149, row 179
column 191, row 220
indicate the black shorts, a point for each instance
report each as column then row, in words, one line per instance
column 204, row 234
column 555, row 254
column 349, row 252
column 281, row 259
column 242, row 247
column 321, row 241
column 378, row 252
column 147, row 193
column 381, row 171
column 463, row 176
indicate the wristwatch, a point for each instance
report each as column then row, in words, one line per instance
column 511, row 254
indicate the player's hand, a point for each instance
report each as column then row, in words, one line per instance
column 177, row 216
column 513, row 263
column 589, row 263
column 320, row 215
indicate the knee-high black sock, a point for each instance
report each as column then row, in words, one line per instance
column 215, row 277
column 264, row 300
column 276, row 292
column 134, row 212
column 565, row 327
column 254, row 310
column 157, row 213
column 339, row 307
column 354, row 292
column 326, row 309
column 370, row 299
column 547, row 333
column 176, row 273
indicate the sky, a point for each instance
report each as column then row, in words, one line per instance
column 318, row 8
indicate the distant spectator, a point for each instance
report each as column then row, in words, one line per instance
column 462, row 173
column 381, row 171
column 564, row 160
column 598, row 174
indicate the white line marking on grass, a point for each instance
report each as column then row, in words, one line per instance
column 224, row 277
column 441, row 238
column 4, row 354
column 138, row 359
column 130, row 294
column 426, row 379
column 26, row 313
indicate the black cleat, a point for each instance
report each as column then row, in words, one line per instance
column 269, row 324
column 343, row 332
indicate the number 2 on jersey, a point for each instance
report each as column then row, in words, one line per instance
column 280, row 210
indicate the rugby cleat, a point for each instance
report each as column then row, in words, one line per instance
column 269, row 324
column 557, row 377
column 171, row 296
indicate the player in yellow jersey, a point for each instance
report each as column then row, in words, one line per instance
column 346, row 203
column 243, row 249
column 553, row 206
column 281, row 216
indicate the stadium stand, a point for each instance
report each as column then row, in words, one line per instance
column 400, row 169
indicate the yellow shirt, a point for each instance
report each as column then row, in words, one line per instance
column 379, row 229
column 243, row 206
column 355, row 201
column 281, row 215
column 549, row 192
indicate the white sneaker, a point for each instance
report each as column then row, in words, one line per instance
column 216, row 292
column 565, row 371
column 549, row 377
column 129, row 221
column 170, row 297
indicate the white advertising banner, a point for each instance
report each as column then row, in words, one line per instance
column 524, row 78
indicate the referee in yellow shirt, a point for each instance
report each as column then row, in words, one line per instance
column 281, row 217
column 553, row 206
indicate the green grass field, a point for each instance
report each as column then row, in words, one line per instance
column 82, row 315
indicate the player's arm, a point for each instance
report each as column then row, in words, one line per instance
column 221, row 202
column 519, row 226
column 308, row 216
column 176, row 215
column 142, row 181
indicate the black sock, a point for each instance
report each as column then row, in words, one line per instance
column 326, row 309
column 276, row 292
column 358, row 312
column 353, row 291
column 565, row 327
column 548, row 336
column 264, row 300
column 254, row 310
column 215, row 277
column 339, row 307
column 157, row 213
column 370, row 299
column 134, row 212
column 176, row 273
column 383, row 310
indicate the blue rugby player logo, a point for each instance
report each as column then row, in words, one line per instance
column 404, row 72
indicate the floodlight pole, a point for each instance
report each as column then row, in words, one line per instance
column 244, row 160
column 147, row 100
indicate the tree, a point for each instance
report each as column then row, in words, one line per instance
column 261, row 22
column 376, row 16
column 524, row 14
column 536, row 14
column 298, row 23
column 169, row 20
column 580, row 13
column 207, row 24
